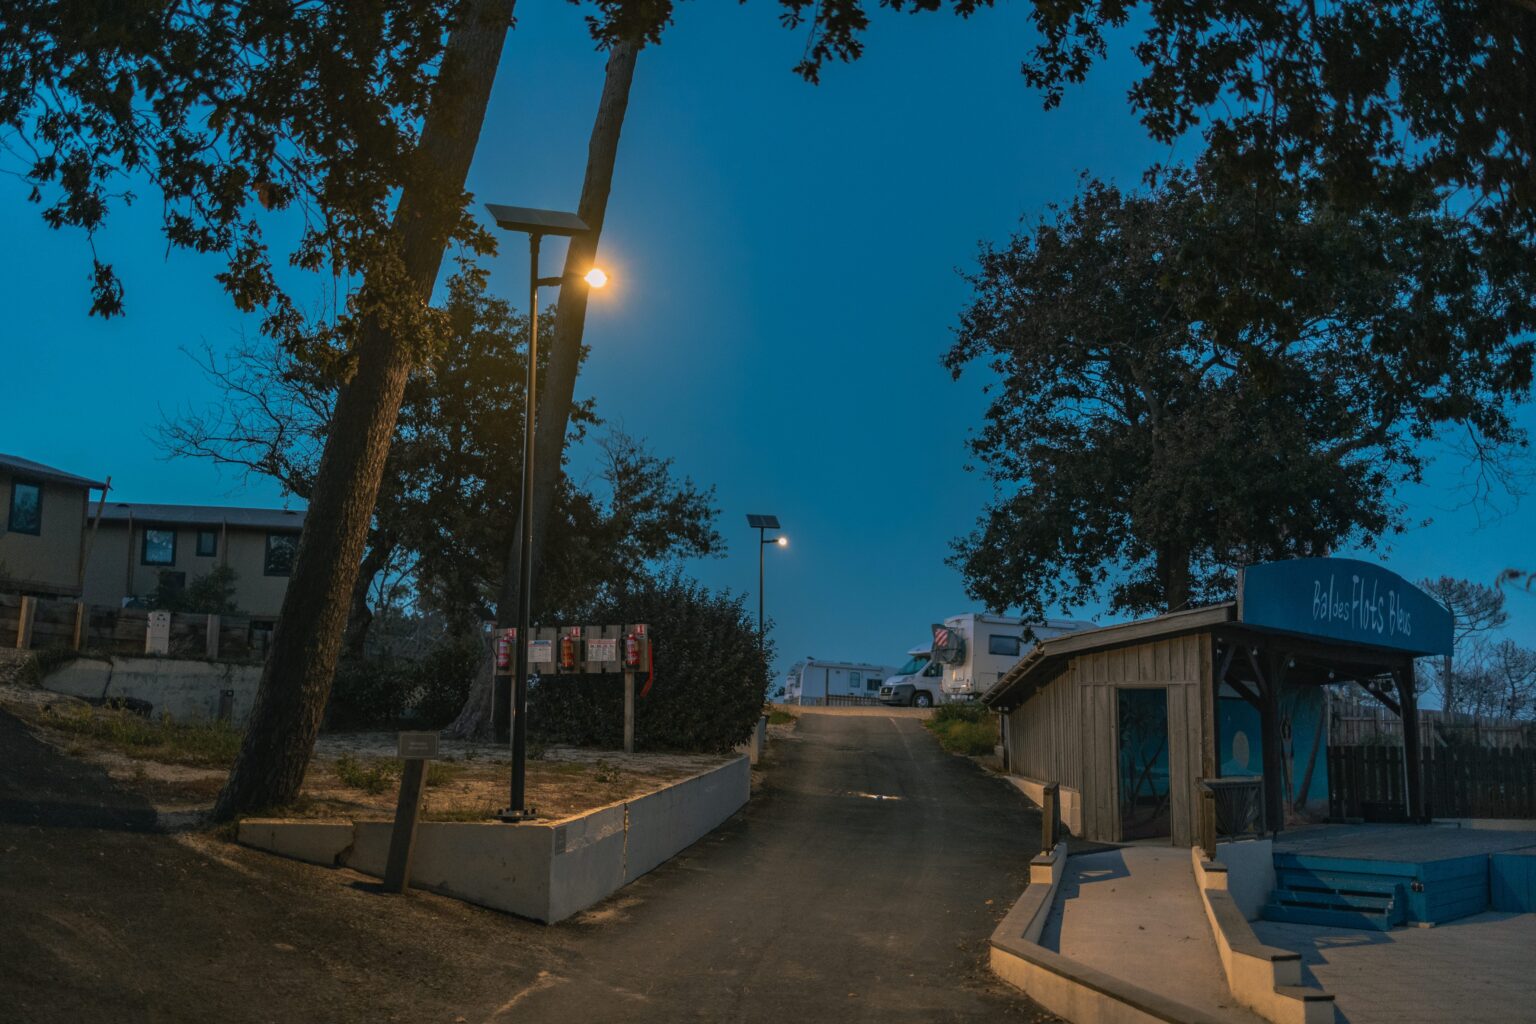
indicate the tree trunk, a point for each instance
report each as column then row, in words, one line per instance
column 359, row 615
column 1173, row 572
column 559, row 384
column 302, row 660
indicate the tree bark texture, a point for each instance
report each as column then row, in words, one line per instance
column 301, row 663
column 359, row 615
column 558, row 386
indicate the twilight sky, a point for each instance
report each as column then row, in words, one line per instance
column 785, row 263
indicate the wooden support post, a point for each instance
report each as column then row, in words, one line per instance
column 629, row 712
column 402, row 841
column 24, row 618
column 82, row 625
column 1050, row 816
column 212, row 639
column 1274, row 772
column 1413, row 753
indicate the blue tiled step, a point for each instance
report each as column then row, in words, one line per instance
column 1373, row 904
column 1327, row 918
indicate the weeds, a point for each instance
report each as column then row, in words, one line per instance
column 374, row 777
column 778, row 716
column 605, row 772
column 966, row 729
column 481, row 812
column 199, row 744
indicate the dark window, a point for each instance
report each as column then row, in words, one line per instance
column 1008, row 646
column 281, row 548
column 172, row 583
column 872, row 683
column 26, row 508
column 159, row 547
column 933, row 669
column 207, row 543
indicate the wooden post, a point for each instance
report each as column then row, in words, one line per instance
column 212, row 640
column 24, row 617
column 1408, row 702
column 629, row 712
column 415, row 749
column 1207, row 806
column 82, row 625
column 1050, row 815
column 1269, row 717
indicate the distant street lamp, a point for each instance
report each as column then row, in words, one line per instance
column 535, row 224
column 762, row 524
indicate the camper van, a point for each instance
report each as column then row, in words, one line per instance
column 917, row 683
column 815, row 683
column 975, row 650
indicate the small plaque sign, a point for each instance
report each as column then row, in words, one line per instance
column 417, row 746
column 541, row 652
column 603, row 649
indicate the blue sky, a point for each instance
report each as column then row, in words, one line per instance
column 785, row 264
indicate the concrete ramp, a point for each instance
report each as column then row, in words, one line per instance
column 1135, row 914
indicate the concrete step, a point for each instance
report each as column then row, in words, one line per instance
column 1359, row 883
column 1373, row 904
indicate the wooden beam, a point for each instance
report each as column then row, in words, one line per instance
column 1269, row 719
column 1412, row 752
column 1387, row 702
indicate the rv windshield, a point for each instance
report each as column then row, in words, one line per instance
column 914, row 666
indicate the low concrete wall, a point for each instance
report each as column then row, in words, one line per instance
column 1491, row 824
column 1264, row 979
column 1250, row 865
column 184, row 689
column 545, row 870
column 757, row 742
column 1071, row 800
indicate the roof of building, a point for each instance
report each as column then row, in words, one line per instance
column 204, row 515
column 26, row 467
column 1047, row 657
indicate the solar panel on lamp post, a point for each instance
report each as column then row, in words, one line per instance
column 509, row 713
column 763, row 524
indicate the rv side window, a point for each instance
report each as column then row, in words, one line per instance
column 853, row 680
column 872, row 684
column 933, row 669
column 1008, row 646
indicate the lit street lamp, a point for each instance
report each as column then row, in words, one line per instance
column 513, row 707
column 762, row 524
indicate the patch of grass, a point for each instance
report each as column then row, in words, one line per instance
column 605, row 772
column 481, row 812
column 370, row 777
column 966, row 729
column 440, row 773
column 778, row 716
column 199, row 744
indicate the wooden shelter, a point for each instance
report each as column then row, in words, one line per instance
column 1124, row 717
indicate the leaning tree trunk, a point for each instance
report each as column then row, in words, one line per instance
column 559, row 383
column 296, row 679
column 1173, row 574
column 359, row 616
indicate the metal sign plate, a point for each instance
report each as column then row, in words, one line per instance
column 603, row 649
column 541, row 652
column 417, row 746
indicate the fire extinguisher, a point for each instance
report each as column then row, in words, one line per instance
column 504, row 648
column 568, row 653
column 631, row 650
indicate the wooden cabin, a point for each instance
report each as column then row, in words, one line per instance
column 1130, row 719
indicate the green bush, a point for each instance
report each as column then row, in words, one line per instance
column 383, row 692
column 967, row 728
column 440, row 682
column 710, row 680
column 370, row 777
column 967, row 711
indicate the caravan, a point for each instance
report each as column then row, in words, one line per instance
column 975, row 650
column 816, row 683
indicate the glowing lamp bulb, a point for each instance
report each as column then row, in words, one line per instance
column 595, row 277
column 783, row 542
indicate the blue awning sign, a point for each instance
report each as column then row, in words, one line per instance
column 1343, row 599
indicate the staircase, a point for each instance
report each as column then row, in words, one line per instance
column 1326, row 894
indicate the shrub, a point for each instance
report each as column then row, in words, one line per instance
column 439, row 683
column 381, row 692
column 967, row 728
column 368, row 693
column 711, row 676
column 203, row 744
column 966, row 711
column 371, row 777
column 211, row 594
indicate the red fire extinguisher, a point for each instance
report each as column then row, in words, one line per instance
column 631, row 651
column 568, row 653
column 504, row 642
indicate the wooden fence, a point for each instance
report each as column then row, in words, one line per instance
column 37, row 622
column 1462, row 781
column 1355, row 720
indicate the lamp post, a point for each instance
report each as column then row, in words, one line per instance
column 512, row 708
column 763, row 524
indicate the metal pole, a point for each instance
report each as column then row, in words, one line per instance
column 760, row 544
column 525, row 549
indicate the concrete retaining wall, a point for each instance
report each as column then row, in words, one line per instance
column 1071, row 800
column 543, row 870
column 1264, row 979
column 184, row 689
column 1250, row 865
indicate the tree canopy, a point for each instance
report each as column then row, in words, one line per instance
column 1193, row 377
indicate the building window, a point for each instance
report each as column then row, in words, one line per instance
column 207, row 543
column 281, row 549
column 1007, row 646
column 26, row 508
column 159, row 547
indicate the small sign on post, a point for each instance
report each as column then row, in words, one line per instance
column 415, row 749
column 157, row 634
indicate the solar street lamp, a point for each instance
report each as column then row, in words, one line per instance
column 762, row 524
column 513, row 707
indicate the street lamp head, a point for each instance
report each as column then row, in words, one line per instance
column 596, row 277
column 783, row 542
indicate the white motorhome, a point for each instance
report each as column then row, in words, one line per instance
column 975, row 650
column 813, row 682
column 917, row 683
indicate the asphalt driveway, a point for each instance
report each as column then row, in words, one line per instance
column 861, row 885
